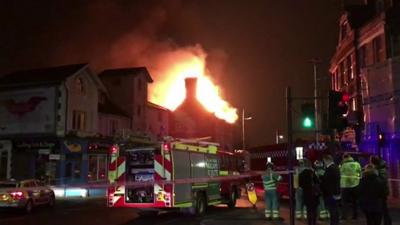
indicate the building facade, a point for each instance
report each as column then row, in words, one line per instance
column 366, row 65
column 127, row 88
column 45, row 116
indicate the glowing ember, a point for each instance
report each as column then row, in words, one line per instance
column 170, row 91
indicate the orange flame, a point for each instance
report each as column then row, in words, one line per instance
column 170, row 92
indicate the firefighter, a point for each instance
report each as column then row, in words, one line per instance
column 300, row 207
column 350, row 173
column 270, row 181
column 320, row 171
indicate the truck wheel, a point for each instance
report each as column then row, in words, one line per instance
column 201, row 205
column 232, row 199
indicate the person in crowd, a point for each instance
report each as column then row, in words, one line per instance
column 309, row 183
column 300, row 206
column 270, row 181
column 330, row 187
column 380, row 166
column 320, row 171
column 372, row 195
column 350, row 173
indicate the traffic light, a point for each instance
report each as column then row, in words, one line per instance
column 337, row 110
column 308, row 115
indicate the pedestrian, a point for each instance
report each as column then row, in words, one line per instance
column 372, row 195
column 300, row 207
column 380, row 166
column 309, row 183
column 350, row 173
column 320, row 171
column 330, row 187
column 270, row 181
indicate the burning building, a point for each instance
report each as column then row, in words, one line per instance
column 191, row 119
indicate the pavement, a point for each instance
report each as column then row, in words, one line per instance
column 93, row 211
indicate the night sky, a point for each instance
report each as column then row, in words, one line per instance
column 256, row 48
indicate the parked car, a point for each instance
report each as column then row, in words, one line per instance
column 25, row 194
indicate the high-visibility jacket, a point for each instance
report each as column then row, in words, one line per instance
column 350, row 173
column 270, row 180
column 297, row 171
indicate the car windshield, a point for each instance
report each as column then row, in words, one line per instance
column 8, row 185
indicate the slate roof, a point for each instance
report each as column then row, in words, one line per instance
column 40, row 76
column 129, row 71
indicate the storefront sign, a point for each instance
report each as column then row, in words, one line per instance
column 54, row 157
column 73, row 147
column 35, row 144
column 44, row 151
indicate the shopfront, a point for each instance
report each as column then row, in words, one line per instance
column 33, row 158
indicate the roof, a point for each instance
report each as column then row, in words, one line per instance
column 128, row 71
column 41, row 75
column 153, row 105
column 110, row 108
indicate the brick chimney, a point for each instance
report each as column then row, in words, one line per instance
column 191, row 88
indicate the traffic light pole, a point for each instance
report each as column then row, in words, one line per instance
column 315, row 63
column 290, row 153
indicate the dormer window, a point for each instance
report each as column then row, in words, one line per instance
column 79, row 86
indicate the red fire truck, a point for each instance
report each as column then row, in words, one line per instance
column 186, row 174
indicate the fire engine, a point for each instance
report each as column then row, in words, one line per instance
column 185, row 174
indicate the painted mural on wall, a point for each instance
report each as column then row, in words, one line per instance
column 29, row 111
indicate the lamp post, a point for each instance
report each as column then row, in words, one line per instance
column 243, row 130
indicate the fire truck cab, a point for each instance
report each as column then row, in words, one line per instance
column 181, row 174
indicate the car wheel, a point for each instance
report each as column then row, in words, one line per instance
column 232, row 199
column 28, row 207
column 52, row 201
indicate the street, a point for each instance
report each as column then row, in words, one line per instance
column 93, row 211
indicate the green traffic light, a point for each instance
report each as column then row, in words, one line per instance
column 307, row 122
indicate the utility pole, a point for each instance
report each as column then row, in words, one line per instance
column 315, row 62
column 243, row 134
column 243, row 130
column 290, row 153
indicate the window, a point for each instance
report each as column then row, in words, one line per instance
column 78, row 120
column 102, row 98
column 113, row 127
column 97, row 167
column 79, row 86
column 342, row 74
column 353, row 104
column 378, row 49
column 362, row 56
column 349, row 69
